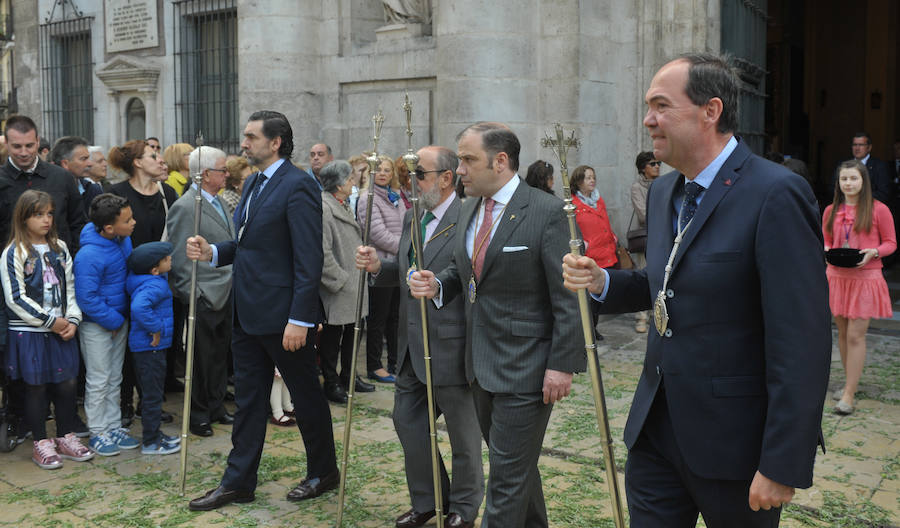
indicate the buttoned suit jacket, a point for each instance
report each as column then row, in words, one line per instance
column 746, row 355
column 213, row 284
column 278, row 259
column 447, row 326
column 523, row 321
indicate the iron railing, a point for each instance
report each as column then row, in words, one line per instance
column 66, row 83
column 206, row 75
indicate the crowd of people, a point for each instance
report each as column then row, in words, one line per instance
column 96, row 278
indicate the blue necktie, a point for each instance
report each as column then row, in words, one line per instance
column 218, row 206
column 691, row 191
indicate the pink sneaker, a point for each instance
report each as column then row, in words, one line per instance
column 71, row 447
column 45, row 455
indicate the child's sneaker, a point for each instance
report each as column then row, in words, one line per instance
column 81, row 429
column 45, row 455
column 122, row 439
column 70, row 447
column 160, row 448
column 170, row 439
column 103, row 445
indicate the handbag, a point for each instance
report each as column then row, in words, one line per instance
column 625, row 262
column 637, row 238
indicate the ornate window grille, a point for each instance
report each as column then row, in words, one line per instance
column 206, row 76
column 66, row 77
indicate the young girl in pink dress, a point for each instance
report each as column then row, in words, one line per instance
column 856, row 220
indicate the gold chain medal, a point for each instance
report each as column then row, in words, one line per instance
column 473, row 291
column 660, row 313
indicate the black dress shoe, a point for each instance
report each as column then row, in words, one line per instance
column 165, row 417
column 220, row 497
column 202, row 429
column 335, row 393
column 455, row 521
column 412, row 519
column 361, row 386
column 313, row 487
column 226, row 419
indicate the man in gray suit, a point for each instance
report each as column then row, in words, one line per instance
column 212, row 336
column 523, row 327
column 436, row 178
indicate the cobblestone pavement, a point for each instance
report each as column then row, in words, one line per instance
column 856, row 482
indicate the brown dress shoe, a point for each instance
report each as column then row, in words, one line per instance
column 220, row 497
column 313, row 487
column 455, row 521
column 412, row 518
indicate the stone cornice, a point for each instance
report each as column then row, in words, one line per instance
column 123, row 74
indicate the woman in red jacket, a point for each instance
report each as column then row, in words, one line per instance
column 590, row 213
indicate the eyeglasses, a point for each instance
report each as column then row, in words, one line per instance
column 654, row 163
column 420, row 174
column 155, row 147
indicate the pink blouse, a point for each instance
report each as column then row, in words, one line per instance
column 881, row 236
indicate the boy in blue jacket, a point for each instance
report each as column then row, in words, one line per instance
column 150, row 337
column 100, row 274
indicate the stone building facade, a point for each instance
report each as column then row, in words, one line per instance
column 329, row 65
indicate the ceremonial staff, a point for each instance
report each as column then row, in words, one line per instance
column 411, row 161
column 560, row 147
column 378, row 120
column 197, row 178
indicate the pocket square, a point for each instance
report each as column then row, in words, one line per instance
column 513, row 249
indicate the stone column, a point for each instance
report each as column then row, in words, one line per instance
column 151, row 118
column 114, row 118
column 278, row 63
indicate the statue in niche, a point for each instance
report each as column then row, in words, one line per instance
column 407, row 11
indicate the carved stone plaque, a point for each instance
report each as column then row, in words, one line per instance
column 131, row 24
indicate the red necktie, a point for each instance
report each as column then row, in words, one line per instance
column 483, row 237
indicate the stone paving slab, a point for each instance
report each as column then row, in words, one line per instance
column 857, row 482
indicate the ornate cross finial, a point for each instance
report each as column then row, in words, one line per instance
column 560, row 144
column 410, row 157
column 198, row 176
column 377, row 120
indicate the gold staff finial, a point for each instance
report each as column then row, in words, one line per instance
column 560, row 144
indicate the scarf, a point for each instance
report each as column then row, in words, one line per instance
column 590, row 201
column 392, row 196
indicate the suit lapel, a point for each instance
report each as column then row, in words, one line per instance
column 466, row 217
column 268, row 190
column 249, row 185
column 725, row 179
column 443, row 231
column 513, row 216
column 405, row 241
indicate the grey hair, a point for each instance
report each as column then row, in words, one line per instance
column 334, row 174
column 203, row 158
column 95, row 148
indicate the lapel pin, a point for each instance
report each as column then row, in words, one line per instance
column 728, row 181
column 512, row 217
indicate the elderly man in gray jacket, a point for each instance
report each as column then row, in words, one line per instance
column 213, row 318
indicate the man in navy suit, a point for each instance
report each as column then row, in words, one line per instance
column 881, row 175
column 727, row 413
column 277, row 267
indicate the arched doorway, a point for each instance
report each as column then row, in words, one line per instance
column 135, row 119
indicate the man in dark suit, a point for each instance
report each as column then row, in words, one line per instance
column 727, row 412
column 71, row 153
column 24, row 170
column 524, row 338
column 436, row 178
column 212, row 335
column 277, row 267
column 880, row 173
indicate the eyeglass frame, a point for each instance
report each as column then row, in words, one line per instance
column 420, row 174
column 654, row 163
